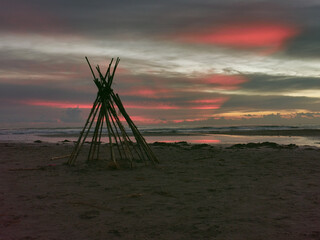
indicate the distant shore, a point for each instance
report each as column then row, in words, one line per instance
column 246, row 191
column 291, row 132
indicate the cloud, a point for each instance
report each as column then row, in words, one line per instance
column 55, row 104
column 300, row 118
column 33, row 93
column 133, row 19
column 223, row 82
column 217, row 71
column 256, row 103
column 148, row 92
column 17, row 16
column 22, row 116
column 72, row 115
column 266, row 37
column 261, row 84
column 306, row 45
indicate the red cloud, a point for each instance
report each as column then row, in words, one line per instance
column 212, row 106
column 144, row 120
column 267, row 36
column 188, row 120
column 214, row 103
column 214, row 100
column 62, row 104
column 150, row 106
column 147, row 92
column 225, row 80
column 55, row 104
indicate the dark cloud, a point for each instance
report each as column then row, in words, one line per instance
column 307, row 19
column 28, row 61
column 22, row 17
column 72, row 115
column 306, row 44
column 23, row 114
column 299, row 118
column 18, row 93
column 151, row 18
column 279, row 84
column 258, row 103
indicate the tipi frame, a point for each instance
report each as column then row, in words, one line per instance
column 103, row 116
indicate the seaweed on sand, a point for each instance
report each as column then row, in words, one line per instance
column 263, row 144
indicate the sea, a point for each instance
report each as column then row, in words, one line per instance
column 198, row 135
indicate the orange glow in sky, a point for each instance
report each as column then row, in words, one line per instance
column 150, row 106
column 225, row 80
column 55, row 104
column 58, row 104
column 144, row 120
column 147, row 92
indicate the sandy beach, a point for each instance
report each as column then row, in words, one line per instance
column 259, row 191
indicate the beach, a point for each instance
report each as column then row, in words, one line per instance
column 248, row 191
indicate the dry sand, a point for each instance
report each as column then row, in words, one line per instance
column 197, row 192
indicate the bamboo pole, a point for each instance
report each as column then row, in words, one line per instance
column 95, row 137
column 94, row 76
column 108, row 71
column 87, row 132
column 77, row 146
column 110, row 137
column 114, row 70
column 105, row 103
column 102, row 78
column 100, row 133
column 140, row 140
column 137, row 134
column 116, row 134
column 127, row 139
column 125, row 136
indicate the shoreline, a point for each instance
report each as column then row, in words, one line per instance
column 300, row 137
column 287, row 132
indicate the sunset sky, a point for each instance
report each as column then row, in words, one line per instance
column 183, row 63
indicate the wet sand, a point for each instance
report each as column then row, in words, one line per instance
column 197, row 192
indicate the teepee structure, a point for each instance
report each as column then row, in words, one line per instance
column 104, row 122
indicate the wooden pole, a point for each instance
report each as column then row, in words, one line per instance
column 114, row 70
column 86, row 134
column 77, row 146
column 108, row 71
column 100, row 134
column 125, row 136
column 140, row 140
column 110, row 137
column 94, row 76
column 95, row 137
column 105, row 106
column 116, row 135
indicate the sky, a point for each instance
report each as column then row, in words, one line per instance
column 184, row 63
